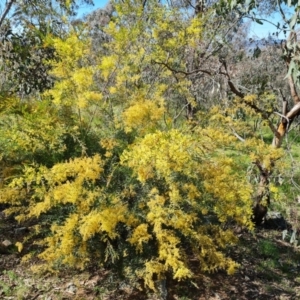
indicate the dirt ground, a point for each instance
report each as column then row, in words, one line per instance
column 269, row 269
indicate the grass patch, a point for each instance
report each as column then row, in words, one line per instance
column 268, row 249
column 13, row 285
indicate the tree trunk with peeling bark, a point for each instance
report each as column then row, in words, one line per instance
column 288, row 117
column 262, row 197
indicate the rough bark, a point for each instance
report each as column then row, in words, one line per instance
column 262, row 198
column 285, row 123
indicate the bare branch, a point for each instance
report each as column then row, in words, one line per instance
column 284, row 107
column 181, row 71
column 294, row 112
column 6, row 11
column 180, row 112
column 237, row 135
column 230, row 83
column 282, row 13
column 282, row 116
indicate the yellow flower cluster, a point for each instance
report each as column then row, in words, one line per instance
column 210, row 184
column 142, row 115
column 74, row 86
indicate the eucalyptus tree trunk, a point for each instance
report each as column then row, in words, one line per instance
column 287, row 116
column 262, row 196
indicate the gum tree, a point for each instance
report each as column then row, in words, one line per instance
column 23, row 28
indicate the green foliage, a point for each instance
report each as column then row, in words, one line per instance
column 23, row 58
column 268, row 249
column 25, row 52
column 13, row 285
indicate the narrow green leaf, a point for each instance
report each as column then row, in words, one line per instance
column 259, row 21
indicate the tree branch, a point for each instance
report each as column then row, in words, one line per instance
column 183, row 72
column 293, row 90
column 284, row 103
column 288, row 58
column 294, row 112
column 230, row 83
column 282, row 13
column 237, row 135
column 6, row 11
column 242, row 95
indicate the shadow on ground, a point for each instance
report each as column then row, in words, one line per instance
column 269, row 269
